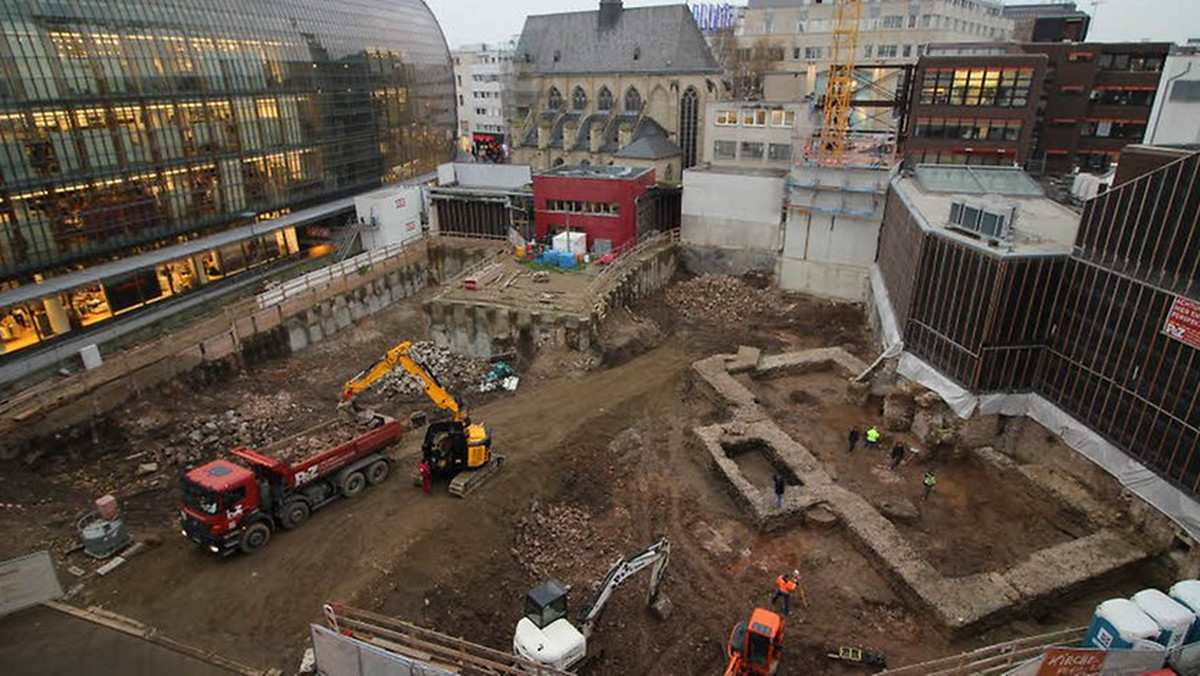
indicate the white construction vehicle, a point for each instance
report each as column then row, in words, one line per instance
column 547, row 637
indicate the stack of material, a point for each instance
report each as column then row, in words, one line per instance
column 481, row 278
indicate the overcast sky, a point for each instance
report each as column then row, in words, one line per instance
column 468, row 21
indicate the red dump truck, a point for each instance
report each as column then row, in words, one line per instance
column 228, row 507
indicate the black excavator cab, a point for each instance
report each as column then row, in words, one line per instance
column 445, row 448
column 546, row 603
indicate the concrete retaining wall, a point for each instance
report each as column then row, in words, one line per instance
column 485, row 330
column 220, row 345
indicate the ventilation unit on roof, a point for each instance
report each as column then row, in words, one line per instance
column 990, row 222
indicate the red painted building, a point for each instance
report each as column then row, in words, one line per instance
column 602, row 201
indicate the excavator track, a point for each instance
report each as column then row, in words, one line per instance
column 468, row 480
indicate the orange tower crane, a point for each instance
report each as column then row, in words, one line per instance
column 838, row 92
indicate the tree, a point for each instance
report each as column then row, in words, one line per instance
column 744, row 66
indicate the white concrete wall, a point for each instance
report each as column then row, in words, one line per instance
column 1174, row 120
column 732, row 210
column 826, row 255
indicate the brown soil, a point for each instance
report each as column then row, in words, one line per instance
column 607, row 453
column 977, row 519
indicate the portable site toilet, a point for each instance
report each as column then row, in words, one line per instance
column 1187, row 592
column 1171, row 616
column 1119, row 624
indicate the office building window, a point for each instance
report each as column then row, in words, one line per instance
column 993, row 87
column 887, row 51
column 727, row 118
column 754, row 117
column 751, row 150
column 779, row 152
column 724, row 150
column 783, row 118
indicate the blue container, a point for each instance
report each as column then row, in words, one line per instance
column 1119, row 624
column 548, row 258
column 566, row 259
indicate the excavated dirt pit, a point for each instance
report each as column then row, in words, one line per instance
column 759, row 463
column 601, row 463
column 979, row 518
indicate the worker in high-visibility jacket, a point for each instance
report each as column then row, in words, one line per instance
column 873, row 437
column 784, row 586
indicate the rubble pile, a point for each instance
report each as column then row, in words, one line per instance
column 261, row 421
column 722, row 298
column 558, row 540
column 314, row 440
column 456, row 373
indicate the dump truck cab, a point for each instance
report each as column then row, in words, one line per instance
column 220, row 499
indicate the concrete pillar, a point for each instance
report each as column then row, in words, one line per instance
column 59, row 323
column 198, row 263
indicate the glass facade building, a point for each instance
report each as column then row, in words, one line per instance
column 130, row 125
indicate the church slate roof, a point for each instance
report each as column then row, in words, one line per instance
column 660, row 39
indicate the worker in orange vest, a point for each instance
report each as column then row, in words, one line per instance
column 784, row 586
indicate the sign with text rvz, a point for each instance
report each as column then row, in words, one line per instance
column 1183, row 322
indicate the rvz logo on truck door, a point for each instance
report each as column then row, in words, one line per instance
column 305, row 476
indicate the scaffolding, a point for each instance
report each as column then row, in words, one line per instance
column 840, row 89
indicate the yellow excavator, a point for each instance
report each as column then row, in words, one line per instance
column 456, row 449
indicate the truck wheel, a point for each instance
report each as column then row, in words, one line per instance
column 353, row 484
column 294, row 514
column 254, row 538
column 378, row 472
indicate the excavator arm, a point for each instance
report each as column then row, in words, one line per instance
column 398, row 357
column 655, row 556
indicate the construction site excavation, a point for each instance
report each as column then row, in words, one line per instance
column 644, row 405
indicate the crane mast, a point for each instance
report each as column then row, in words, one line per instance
column 840, row 89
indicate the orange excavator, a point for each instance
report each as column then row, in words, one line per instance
column 756, row 646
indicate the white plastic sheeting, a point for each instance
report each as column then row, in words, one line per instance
column 883, row 306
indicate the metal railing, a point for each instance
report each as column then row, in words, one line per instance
column 993, row 659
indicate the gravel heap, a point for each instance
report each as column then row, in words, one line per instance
column 723, row 299
column 456, row 373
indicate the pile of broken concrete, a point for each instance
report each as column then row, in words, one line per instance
column 722, row 299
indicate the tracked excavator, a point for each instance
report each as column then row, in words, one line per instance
column 756, row 646
column 545, row 635
column 456, row 449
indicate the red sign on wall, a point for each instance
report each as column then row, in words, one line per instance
column 1183, row 322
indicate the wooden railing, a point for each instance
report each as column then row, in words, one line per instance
column 426, row 645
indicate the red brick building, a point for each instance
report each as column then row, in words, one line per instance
column 1043, row 105
column 602, row 201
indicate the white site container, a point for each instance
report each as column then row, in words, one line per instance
column 1187, row 592
column 1174, row 618
column 1119, row 624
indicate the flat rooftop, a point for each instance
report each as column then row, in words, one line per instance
column 733, row 170
column 590, row 171
column 1041, row 226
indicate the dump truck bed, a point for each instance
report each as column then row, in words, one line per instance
column 325, row 447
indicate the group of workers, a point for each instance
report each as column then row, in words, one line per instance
column 872, row 437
